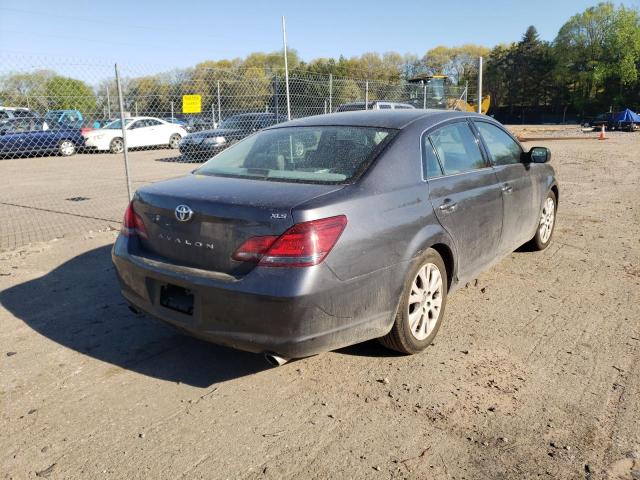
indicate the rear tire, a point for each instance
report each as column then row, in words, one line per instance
column 174, row 140
column 116, row 145
column 421, row 307
column 66, row 148
column 546, row 223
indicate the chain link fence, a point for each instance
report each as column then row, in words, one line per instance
column 63, row 146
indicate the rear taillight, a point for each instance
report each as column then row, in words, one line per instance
column 85, row 130
column 132, row 224
column 303, row 245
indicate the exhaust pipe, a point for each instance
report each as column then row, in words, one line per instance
column 275, row 360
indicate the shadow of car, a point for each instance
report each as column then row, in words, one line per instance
column 78, row 305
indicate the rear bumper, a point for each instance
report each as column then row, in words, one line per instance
column 97, row 144
column 291, row 312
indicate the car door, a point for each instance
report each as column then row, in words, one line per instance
column 157, row 133
column 21, row 138
column 8, row 138
column 136, row 133
column 520, row 208
column 42, row 137
column 465, row 195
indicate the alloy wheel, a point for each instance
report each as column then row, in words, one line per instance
column 117, row 146
column 546, row 220
column 425, row 301
column 174, row 141
column 67, row 148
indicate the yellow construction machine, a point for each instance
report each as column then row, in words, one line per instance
column 438, row 94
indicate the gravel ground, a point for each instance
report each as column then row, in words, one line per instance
column 534, row 373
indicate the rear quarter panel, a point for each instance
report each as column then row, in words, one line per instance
column 390, row 217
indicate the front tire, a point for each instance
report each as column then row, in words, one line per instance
column 116, row 145
column 66, row 148
column 422, row 306
column 546, row 223
column 174, row 140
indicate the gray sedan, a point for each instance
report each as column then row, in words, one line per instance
column 331, row 230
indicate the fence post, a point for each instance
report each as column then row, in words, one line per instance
column 480, row 85
column 213, row 115
column 277, row 96
column 124, row 133
column 424, row 95
column 108, row 104
column 219, row 109
column 330, row 92
column 286, row 67
column 172, row 119
column 366, row 95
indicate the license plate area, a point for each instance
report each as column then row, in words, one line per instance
column 176, row 298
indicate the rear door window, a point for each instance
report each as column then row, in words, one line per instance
column 432, row 168
column 457, row 148
column 502, row 148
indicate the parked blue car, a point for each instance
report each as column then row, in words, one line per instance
column 70, row 118
column 22, row 136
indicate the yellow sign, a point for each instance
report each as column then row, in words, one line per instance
column 191, row 104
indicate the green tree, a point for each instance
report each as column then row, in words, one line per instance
column 598, row 52
column 458, row 63
column 25, row 89
column 63, row 93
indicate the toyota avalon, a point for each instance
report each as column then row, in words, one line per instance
column 331, row 230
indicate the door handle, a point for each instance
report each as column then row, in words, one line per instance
column 448, row 206
column 506, row 188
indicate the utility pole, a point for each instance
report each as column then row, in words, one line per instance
column 286, row 66
column 480, row 85
column 108, row 104
column 366, row 95
column 424, row 95
column 219, row 109
column 330, row 92
column 125, row 149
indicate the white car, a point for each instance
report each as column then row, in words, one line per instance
column 141, row 132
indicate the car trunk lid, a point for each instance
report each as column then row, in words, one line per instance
column 225, row 212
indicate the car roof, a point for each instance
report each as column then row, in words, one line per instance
column 395, row 119
column 256, row 114
column 142, row 118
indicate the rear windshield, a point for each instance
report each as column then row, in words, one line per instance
column 332, row 154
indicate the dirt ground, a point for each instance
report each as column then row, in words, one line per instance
column 534, row 373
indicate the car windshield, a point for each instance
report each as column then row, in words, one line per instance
column 322, row 154
column 118, row 124
column 237, row 122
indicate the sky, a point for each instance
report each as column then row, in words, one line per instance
column 172, row 34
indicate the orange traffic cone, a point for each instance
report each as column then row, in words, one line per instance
column 601, row 136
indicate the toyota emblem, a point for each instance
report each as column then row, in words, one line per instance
column 183, row 213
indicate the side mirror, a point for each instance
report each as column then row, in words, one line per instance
column 537, row 155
